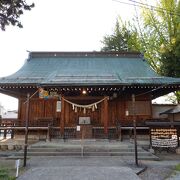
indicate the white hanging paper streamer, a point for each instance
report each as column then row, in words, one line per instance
column 95, row 106
column 75, row 109
column 92, row 106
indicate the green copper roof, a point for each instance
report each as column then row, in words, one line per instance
column 86, row 68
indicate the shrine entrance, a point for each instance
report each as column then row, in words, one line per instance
column 86, row 114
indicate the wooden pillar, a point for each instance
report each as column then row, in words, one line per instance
column 62, row 116
column 12, row 133
column 19, row 107
column 134, row 124
column 106, row 116
column 5, row 133
column 49, row 133
column 27, row 128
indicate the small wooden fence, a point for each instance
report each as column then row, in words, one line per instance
column 51, row 128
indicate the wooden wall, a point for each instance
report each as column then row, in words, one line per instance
column 116, row 111
column 37, row 108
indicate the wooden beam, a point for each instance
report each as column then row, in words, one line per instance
column 8, row 93
column 84, row 97
column 106, row 116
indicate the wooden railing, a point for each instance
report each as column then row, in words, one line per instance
column 52, row 127
column 98, row 133
column 7, row 124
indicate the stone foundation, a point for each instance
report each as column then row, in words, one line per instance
column 14, row 144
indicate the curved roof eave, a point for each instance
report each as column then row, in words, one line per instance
column 86, row 68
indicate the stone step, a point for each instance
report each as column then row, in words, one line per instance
column 77, row 149
column 154, row 158
column 86, row 148
column 89, row 150
column 78, row 145
column 78, row 154
column 84, row 153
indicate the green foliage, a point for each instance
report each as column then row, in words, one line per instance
column 177, row 94
column 162, row 25
column 177, row 168
column 4, row 175
column 156, row 33
column 124, row 38
column 10, row 12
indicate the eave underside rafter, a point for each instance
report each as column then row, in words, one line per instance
column 20, row 91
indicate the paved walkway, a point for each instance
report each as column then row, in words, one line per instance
column 74, row 168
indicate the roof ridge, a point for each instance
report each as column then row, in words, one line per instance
column 38, row 54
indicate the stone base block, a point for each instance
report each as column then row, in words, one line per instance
column 4, row 147
column 18, row 147
column 151, row 150
column 10, row 147
column 178, row 150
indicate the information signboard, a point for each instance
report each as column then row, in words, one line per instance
column 164, row 137
column 84, row 120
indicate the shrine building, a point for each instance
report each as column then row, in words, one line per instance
column 92, row 93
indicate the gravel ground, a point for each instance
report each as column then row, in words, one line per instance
column 163, row 169
column 174, row 176
column 153, row 170
column 156, row 173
